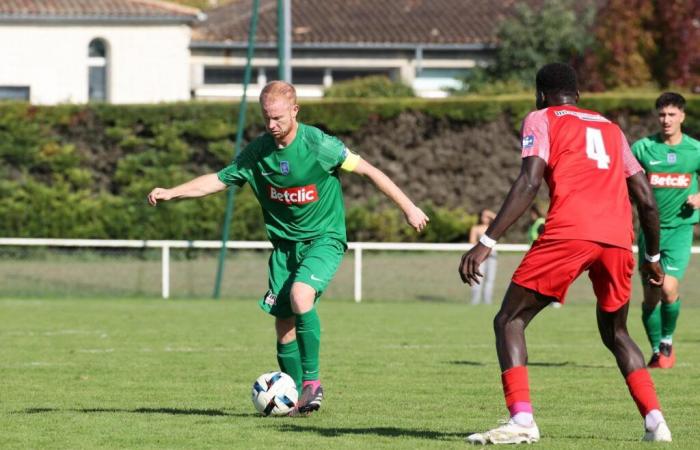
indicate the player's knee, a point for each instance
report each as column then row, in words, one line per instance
column 302, row 299
column 500, row 322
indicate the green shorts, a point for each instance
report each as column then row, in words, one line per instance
column 675, row 249
column 309, row 262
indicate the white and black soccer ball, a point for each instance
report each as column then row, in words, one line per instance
column 274, row 394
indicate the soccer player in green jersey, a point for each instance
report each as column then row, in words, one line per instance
column 671, row 160
column 293, row 171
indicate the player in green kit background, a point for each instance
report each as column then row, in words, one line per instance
column 671, row 160
column 293, row 171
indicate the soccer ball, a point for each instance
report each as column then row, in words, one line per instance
column 274, row 394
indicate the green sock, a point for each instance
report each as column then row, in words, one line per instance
column 669, row 317
column 651, row 318
column 289, row 360
column 309, row 337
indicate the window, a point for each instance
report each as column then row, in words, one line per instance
column 232, row 75
column 343, row 75
column 14, row 93
column 223, row 75
column 307, row 76
column 97, row 71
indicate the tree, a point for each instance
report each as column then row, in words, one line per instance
column 678, row 38
column 624, row 43
column 530, row 38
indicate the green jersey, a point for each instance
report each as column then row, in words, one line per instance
column 297, row 186
column 672, row 172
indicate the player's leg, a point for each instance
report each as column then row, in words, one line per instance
column 611, row 276
column 675, row 257
column 543, row 276
column 319, row 260
column 519, row 306
column 288, row 356
column 490, row 278
column 613, row 331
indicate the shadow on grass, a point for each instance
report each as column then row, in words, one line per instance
column 172, row 411
column 466, row 363
column 378, row 431
column 432, row 298
column 570, row 364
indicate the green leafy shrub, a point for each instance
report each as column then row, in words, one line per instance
column 376, row 86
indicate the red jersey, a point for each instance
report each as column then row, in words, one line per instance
column 588, row 160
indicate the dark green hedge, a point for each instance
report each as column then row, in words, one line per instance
column 83, row 171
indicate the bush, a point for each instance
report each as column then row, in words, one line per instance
column 369, row 87
column 84, row 171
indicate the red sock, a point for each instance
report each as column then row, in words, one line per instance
column 517, row 390
column 642, row 389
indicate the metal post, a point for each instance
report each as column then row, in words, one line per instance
column 284, row 40
column 358, row 274
column 239, row 143
column 165, row 269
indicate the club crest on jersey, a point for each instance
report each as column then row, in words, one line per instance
column 671, row 158
column 528, row 141
column 284, row 167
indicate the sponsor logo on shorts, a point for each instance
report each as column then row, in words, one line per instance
column 270, row 298
column 315, row 278
column 294, row 195
column 670, row 180
column 672, row 268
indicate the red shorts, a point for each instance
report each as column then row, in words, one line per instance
column 551, row 266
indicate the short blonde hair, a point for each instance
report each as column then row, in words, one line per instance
column 278, row 88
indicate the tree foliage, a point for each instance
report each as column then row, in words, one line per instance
column 530, row 38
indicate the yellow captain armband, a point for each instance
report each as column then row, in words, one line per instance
column 351, row 161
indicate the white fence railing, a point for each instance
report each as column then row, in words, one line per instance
column 165, row 246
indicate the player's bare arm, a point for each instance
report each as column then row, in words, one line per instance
column 198, row 187
column 414, row 215
column 643, row 197
column 520, row 197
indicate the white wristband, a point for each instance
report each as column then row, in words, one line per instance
column 487, row 241
column 652, row 258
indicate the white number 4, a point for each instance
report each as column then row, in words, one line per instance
column 595, row 148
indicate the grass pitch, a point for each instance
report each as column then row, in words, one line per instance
column 177, row 374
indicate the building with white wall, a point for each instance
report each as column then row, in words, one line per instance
column 118, row 51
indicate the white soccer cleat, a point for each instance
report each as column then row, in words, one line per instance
column 508, row 433
column 661, row 434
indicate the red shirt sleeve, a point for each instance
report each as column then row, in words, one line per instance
column 535, row 135
column 631, row 164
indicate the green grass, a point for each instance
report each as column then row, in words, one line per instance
column 177, row 374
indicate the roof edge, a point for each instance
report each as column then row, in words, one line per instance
column 201, row 44
column 100, row 18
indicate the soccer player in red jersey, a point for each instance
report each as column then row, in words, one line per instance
column 590, row 170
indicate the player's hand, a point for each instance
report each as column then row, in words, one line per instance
column 159, row 194
column 416, row 218
column 693, row 201
column 469, row 266
column 652, row 273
